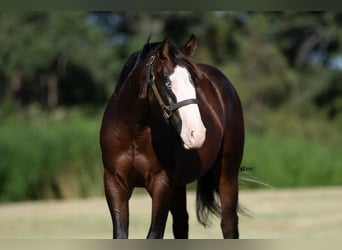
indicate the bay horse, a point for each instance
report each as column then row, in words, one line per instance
column 168, row 123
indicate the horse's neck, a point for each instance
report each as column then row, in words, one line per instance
column 132, row 103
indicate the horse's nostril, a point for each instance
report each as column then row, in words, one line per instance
column 193, row 136
column 196, row 137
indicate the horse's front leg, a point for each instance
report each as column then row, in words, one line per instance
column 117, row 198
column 161, row 193
column 180, row 216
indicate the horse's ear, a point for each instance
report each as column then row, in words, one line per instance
column 149, row 39
column 189, row 48
column 164, row 52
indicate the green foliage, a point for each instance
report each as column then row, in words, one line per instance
column 58, row 155
column 33, row 42
column 49, row 157
column 283, row 161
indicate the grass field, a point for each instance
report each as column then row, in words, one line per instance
column 287, row 213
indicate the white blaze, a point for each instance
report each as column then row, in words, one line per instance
column 193, row 130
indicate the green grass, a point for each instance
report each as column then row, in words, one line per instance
column 49, row 157
column 57, row 155
column 284, row 161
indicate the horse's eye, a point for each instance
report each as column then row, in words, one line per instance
column 168, row 83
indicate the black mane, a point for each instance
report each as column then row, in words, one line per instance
column 132, row 63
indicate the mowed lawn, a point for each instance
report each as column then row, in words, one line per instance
column 286, row 213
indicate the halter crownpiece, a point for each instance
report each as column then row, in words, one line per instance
column 167, row 109
column 149, row 70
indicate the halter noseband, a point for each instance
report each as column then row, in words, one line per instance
column 167, row 109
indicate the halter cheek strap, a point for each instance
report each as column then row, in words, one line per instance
column 167, row 109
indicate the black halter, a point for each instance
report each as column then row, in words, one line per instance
column 167, row 109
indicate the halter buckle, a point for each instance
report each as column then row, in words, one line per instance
column 150, row 60
column 167, row 113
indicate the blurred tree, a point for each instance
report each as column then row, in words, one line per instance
column 39, row 47
column 311, row 43
column 72, row 58
column 308, row 38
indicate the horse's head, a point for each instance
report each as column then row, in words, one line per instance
column 172, row 79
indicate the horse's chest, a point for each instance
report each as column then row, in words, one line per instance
column 181, row 166
column 145, row 156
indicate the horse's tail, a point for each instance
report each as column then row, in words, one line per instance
column 207, row 202
column 206, row 199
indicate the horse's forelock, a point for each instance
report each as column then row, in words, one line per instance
column 151, row 49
